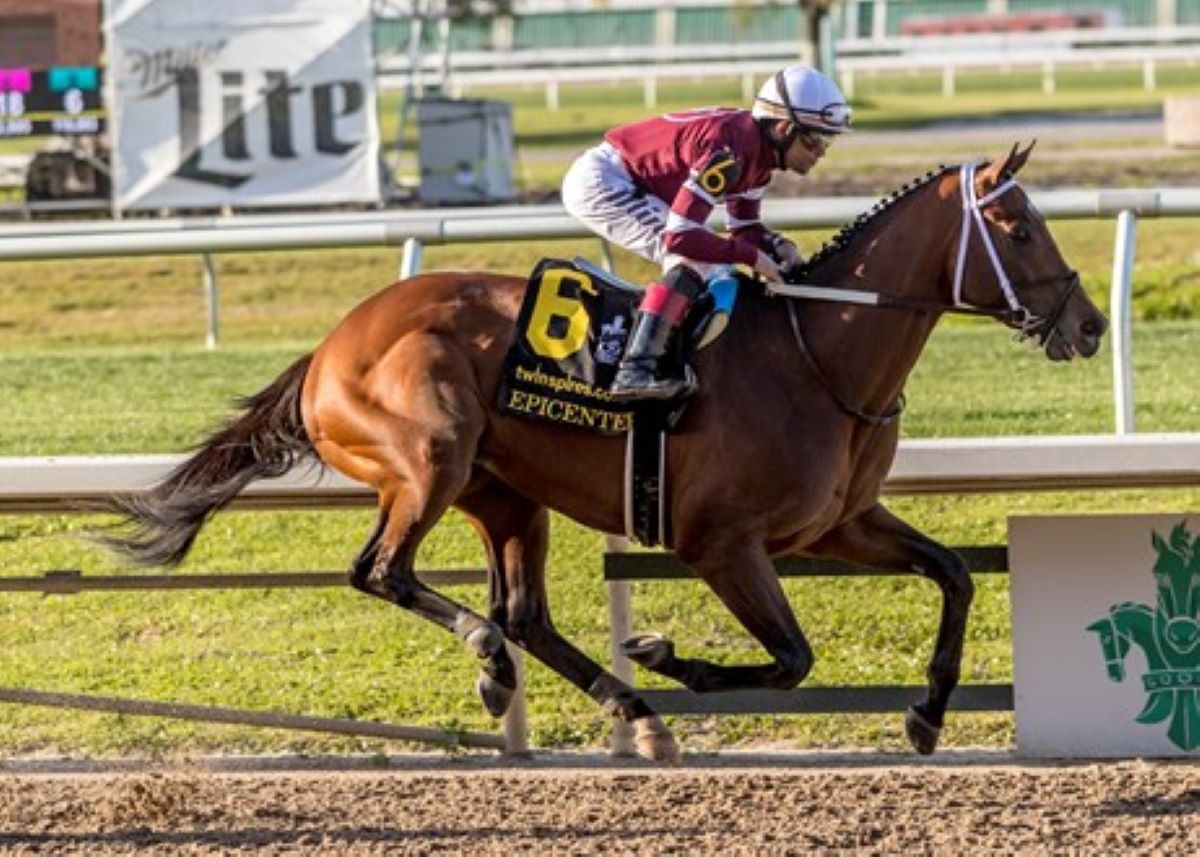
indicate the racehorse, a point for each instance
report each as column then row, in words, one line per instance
column 782, row 451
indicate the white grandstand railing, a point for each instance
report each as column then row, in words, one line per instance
column 850, row 70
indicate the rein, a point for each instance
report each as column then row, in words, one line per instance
column 882, row 301
column 883, row 419
column 1017, row 315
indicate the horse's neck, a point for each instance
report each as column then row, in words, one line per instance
column 872, row 351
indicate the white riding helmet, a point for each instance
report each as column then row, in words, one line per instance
column 805, row 97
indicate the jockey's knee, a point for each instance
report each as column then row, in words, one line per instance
column 684, row 280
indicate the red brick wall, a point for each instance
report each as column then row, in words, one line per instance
column 76, row 28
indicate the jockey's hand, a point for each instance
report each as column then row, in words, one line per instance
column 788, row 254
column 790, row 259
column 768, row 268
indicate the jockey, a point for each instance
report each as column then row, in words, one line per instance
column 650, row 186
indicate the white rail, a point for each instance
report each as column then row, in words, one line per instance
column 924, row 466
column 1144, row 47
column 264, row 232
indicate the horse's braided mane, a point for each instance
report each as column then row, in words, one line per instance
column 842, row 239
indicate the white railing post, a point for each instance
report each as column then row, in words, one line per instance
column 1121, row 309
column 650, row 92
column 516, row 725
column 410, row 259
column 212, row 301
column 948, row 81
column 620, row 624
column 879, row 16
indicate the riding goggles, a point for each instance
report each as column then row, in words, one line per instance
column 814, row 139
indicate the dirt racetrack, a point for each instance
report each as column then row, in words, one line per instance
column 764, row 806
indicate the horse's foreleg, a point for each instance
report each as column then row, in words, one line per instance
column 746, row 582
column 516, row 533
column 531, row 627
column 879, row 539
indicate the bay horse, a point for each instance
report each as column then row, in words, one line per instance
column 782, row 451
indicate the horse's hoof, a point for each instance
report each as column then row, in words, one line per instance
column 654, row 741
column 496, row 697
column 922, row 734
column 649, row 650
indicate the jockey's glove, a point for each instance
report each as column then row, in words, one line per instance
column 787, row 253
column 768, row 268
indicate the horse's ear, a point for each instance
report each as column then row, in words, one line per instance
column 1020, row 157
column 1015, row 160
column 999, row 172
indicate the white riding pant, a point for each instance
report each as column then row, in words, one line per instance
column 599, row 192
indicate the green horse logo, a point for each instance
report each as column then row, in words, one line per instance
column 1169, row 634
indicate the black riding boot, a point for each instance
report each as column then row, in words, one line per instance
column 637, row 376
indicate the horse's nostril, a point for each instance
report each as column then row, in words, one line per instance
column 1092, row 327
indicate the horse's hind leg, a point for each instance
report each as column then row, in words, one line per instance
column 385, row 570
column 419, row 460
column 516, row 533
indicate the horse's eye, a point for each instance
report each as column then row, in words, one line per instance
column 1020, row 233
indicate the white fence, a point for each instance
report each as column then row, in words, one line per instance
column 412, row 229
column 1141, row 47
column 56, row 484
column 851, row 71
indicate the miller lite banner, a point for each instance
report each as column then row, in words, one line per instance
column 242, row 103
column 1106, row 635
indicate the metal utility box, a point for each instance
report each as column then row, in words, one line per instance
column 465, row 149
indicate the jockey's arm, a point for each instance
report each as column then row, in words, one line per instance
column 687, row 234
column 745, row 223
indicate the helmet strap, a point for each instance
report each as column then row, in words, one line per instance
column 783, row 143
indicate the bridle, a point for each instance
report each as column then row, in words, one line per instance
column 1027, row 324
column 1017, row 316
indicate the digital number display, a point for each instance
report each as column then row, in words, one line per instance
column 59, row 100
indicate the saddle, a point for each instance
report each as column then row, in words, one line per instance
column 572, row 331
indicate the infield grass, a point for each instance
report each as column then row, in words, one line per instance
column 338, row 653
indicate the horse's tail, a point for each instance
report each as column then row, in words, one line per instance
column 267, row 439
